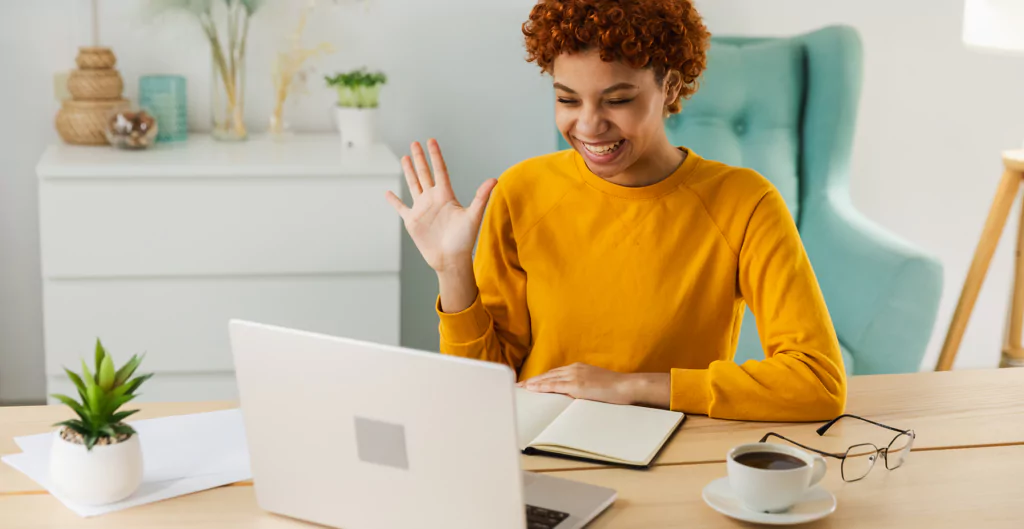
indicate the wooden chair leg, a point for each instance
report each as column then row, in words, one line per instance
column 1013, row 353
column 1000, row 210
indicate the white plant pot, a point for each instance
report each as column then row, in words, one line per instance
column 358, row 126
column 106, row 474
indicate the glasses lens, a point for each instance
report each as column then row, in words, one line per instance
column 858, row 462
column 898, row 450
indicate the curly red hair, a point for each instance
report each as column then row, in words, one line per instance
column 664, row 35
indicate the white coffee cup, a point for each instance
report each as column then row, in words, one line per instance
column 770, row 490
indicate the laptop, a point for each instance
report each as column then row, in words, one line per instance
column 358, row 435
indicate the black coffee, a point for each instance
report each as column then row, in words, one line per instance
column 770, row 460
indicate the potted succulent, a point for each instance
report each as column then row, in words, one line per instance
column 356, row 112
column 96, row 458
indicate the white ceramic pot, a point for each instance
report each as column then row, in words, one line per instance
column 358, row 126
column 106, row 474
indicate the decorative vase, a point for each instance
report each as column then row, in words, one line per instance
column 105, row 474
column 165, row 96
column 95, row 88
column 95, row 58
column 357, row 126
column 95, row 84
column 85, row 122
column 227, row 101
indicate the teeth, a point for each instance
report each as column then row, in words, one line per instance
column 605, row 149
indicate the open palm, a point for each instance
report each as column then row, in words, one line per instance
column 444, row 231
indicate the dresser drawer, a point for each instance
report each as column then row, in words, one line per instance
column 182, row 323
column 210, row 226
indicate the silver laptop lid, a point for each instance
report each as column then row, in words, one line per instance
column 359, row 435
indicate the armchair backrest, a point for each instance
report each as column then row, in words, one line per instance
column 785, row 107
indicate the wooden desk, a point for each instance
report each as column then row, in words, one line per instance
column 29, row 420
column 945, row 409
column 964, row 472
column 961, row 488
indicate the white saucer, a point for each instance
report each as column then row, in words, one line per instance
column 815, row 505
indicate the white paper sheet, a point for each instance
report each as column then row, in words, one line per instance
column 181, row 455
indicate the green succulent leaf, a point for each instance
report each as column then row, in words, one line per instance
column 90, row 440
column 101, row 353
column 87, row 377
column 137, row 381
column 77, row 380
column 106, row 374
column 122, row 415
column 114, row 404
column 128, row 369
column 124, row 429
column 108, row 431
column 95, row 401
column 75, row 425
column 73, row 404
column 119, row 391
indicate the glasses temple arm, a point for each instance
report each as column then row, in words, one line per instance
column 824, row 428
column 805, row 447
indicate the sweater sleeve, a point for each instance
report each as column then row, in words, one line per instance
column 496, row 327
column 802, row 376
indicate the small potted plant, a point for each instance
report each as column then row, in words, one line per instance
column 356, row 112
column 96, row 458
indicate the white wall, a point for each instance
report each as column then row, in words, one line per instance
column 934, row 117
column 455, row 73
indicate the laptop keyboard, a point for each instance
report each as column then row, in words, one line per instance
column 540, row 518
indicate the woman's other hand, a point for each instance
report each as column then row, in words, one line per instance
column 584, row 381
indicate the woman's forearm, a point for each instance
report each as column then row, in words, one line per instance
column 457, row 286
column 650, row 389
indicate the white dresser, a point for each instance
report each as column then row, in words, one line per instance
column 154, row 251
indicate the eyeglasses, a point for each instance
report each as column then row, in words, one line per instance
column 859, row 459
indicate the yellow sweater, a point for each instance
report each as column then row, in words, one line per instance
column 573, row 268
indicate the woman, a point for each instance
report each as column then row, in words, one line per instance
column 619, row 270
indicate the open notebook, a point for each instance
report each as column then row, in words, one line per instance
column 612, row 433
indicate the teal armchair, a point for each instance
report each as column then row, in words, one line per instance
column 787, row 108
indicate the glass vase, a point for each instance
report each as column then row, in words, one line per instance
column 165, row 96
column 227, row 102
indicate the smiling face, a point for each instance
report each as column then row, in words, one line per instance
column 611, row 113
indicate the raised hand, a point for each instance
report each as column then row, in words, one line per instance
column 444, row 231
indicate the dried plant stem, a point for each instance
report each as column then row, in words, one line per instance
column 228, row 66
column 288, row 65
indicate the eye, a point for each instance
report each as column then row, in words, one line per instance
column 619, row 101
column 565, row 101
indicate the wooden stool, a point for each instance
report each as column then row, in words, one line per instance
column 1006, row 194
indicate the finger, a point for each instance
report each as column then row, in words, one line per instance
column 555, row 386
column 396, row 203
column 556, row 374
column 437, row 161
column 483, row 194
column 410, row 178
column 422, row 169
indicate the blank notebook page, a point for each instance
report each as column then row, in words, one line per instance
column 535, row 411
column 628, row 433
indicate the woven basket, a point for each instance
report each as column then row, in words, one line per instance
column 95, row 84
column 84, row 122
column 95, row 58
